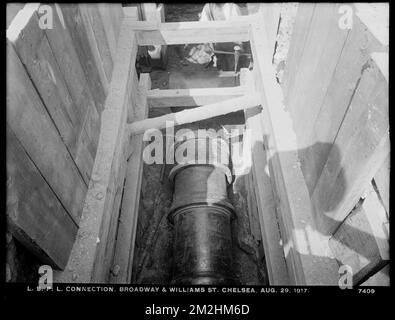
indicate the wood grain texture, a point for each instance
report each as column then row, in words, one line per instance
column 360, row 148
column 97, row 42
column 206, row 79
column 376, row 18
column 82, row 39
column 33, row 49
column 35, row 215
column 11, row 11
column 63, row 48
column 361, row 241
column 380, row 278
column 124, row 251
column 92, row 253
column 109, row 29
column 306, row 251
column 191, row 97
column 339, row 93
column 299, row 36
column 382, row 181
column 271, row 18
column 93, row 18
column 29, row 120
column 261, row 189
column 191, row 32
column 191, row 115
column 322, row 50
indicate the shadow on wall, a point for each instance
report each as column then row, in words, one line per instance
column 311, row 252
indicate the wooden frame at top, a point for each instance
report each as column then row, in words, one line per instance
column 170, row 33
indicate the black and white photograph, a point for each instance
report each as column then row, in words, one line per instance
column 216, row 150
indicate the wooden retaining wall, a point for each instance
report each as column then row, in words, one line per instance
column 336, row 91
column 57, row 82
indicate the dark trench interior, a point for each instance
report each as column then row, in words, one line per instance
column 153, row 255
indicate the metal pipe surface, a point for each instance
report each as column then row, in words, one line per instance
column 201, row 214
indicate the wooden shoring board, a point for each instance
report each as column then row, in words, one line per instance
column 362, row 240
column 155, row 13
column 306, row 250
column 191, row 97
column 169, row 33
column 337, row 96
column 124, row 250
column 35, row 215
column 91, row 254
column 29, row 120
column 196, row 114
column 83, row 41
column 261, row 187
column 109, row 29
column 382, row 181
column 359, row 150
column 87, row 109
column 97, row 30
column 34, row 51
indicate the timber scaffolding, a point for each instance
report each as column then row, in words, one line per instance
column 293, row 219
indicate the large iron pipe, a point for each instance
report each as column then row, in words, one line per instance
column 201, row 214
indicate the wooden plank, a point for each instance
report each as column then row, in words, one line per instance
column 93, row 17
column 339, row 93
column 95, row 45
column 34, row 213
column 191, row 32
column 321, row 52
column 361, row 242
column 191, row 115
column 382, row 181
column 131, row 12
column 84, row 159
column 124, row 251
column 376, row 18
column 104, row 12
column 117, row 17
column 152, row 12
column 51, row 62
column 380, row 278
column 316, row 74
column 78, row 87
column 148, row 12
column 191, row 97
column 11, row 11
column 87, row 142
column 360, row 148
column 34, row 51
column 136, row 25
column 306, row 250
column 205, row 79
column 271, row 18
column 28, row 118
column 262, row 189
column 91, row 254
column 110, row 222
column 82, row 44
column 161, row 17
column 298, row 40
column 378, row 220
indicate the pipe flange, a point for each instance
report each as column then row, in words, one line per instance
column 177, row 168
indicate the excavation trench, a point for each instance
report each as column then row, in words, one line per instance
column 197, row 224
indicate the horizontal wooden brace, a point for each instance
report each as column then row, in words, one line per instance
column 192, row 97
column 196, row 114
column 154, row 33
